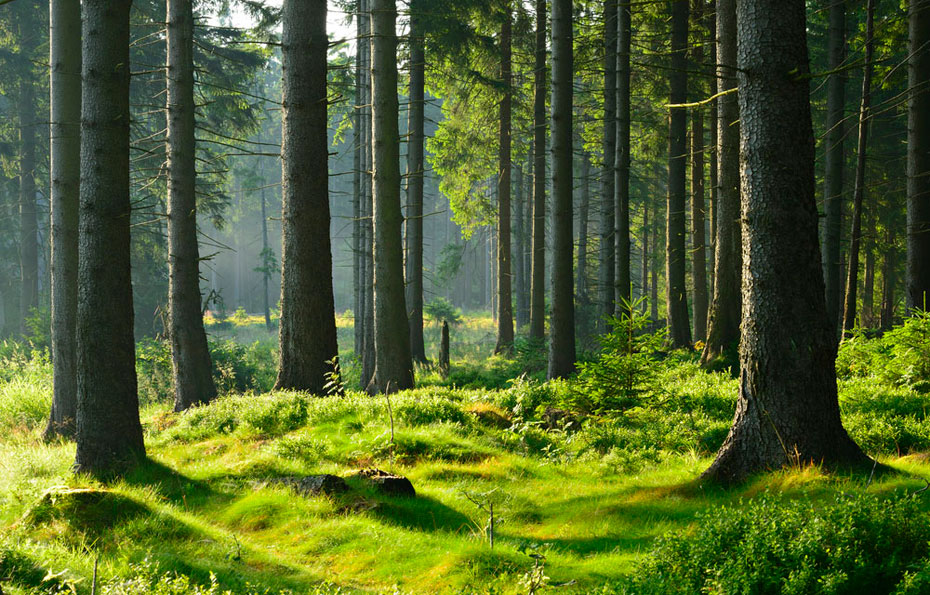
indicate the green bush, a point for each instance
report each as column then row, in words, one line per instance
column 25, row 387
column 860, row 544
column 901, row 356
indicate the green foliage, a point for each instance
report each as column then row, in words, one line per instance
column 901, row 356
column 440, row 310
column 25, row 387
column 272, row 415
column 860, row 544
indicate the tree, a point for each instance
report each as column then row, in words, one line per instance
column 65, row 66
column 724, row 316
column 622, row 156
column 109, row 434
column 609, row 192
column 393, row 364
column 918, row 157
column 190, row 356
column 415, row 171
column 787, row 410
column 676, row 293
column 504, row 265
column 308, row 323
column 698, row 247
column 834, row 158
column 28, row 216
column 538, row 257
column 562, row 321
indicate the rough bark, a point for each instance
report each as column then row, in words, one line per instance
column 723, row 320
column 414, row 221
column 393, row 364
column 607, row 269
column 711, row 24
column 855, row 236
column 562, row 321
column 787, row 412
column 190, row 356
column 109, row 435
column 367, row 272
column 622, row 157
column 676, row 292
column 28, row 217
column 504, row 265
column 918, row 157
column 65, row 174
column 834, row 159
column 538, row 264
column 698, row 243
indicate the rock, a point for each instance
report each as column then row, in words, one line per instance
column 314, row 485
column 388, row 483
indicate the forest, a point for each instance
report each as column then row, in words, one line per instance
column 486, row 296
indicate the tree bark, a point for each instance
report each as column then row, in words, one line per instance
column 607, row 269
column 415, row 171
column 724, row 316
column 393, row 364
column 676, row 292
column 28, row 217
column 918, row 157
column 852, row 271
column 698, row 244
column 868, row 280
column 711, row 23
column 65, row 174
column 622, row 157
column 889, row 278
column 504, row 272
column 190, row 356
column 519, row 249
column 538, row 265
column 109, row 434
column 787, row 412
column 562, row 321
column 368, row 318
column 581, row 269
column 834, row 158
column 358, row 122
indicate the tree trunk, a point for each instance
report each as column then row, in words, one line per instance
column 308, row 324
column 65, row 174
column 890, row 259
column 855, row 241
column 787, row 412
column 393, row 364
column 109, row 434
column 646, row 254
column 918, row 157
column 698, row 246
column 519, row 249
column 676, row 292
column 414, row 221
column 190, row 356
column 538, row 266
column 358, row 162
column 834, row 158
column 523, row 297
column 28, row 218
column 711, row 23
column 622, row 156
column 654, row 285
column 444, row 363
column 368, row 318
column 607, row 269
column 504, row 294
column 724, row 317
column 266, row 260
column 868, row 280
column 562, row 321
column 581, row 269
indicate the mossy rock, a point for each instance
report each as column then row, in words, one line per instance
column 86, row 509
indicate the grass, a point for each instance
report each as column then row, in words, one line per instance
column 593, row 495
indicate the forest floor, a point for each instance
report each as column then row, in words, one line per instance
column 583, row 491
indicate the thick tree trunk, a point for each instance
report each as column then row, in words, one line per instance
column 622, row 156
column 724, row 316
column 538, row 265
column 607, row 265
column 562, row 321
column 698, row 245
column 190, row 356
column 834, row 158
column 581, row 269
column 109, row 435
column 918, row 157
column 855, row 242
column 787, row 411
column 414, row 222
column 504, row 266
column 676, row 292
column 65, row 174
column 28, row 217
column 393, row 364
column 308, row 323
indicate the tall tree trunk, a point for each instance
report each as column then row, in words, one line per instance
column 190, row 356
column 266, row 254
column 698, row 245
column 538, row 266
column 646, row 254
column 607, row 269
column 787, row 412
column 581, row 269
column 28, row 218
column 414, row 221
column 711, row 24
column 676, row 292
column 526, row 257
column 654, row 285
column 834, row 158
column 519, row 248
column 504, row 294
column 368, row 319
column 724, row 317
column 855, row 236
column 622, row 155
column 109, row 434
column 308, row 323
column 65, row 100
column 562, row 321
column 918, row 157
column 889, row 278
column 868, row 280
column 358, row 163
column 393, row 363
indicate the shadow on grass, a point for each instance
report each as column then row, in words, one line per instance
column 422, row 514
column 174, row 486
